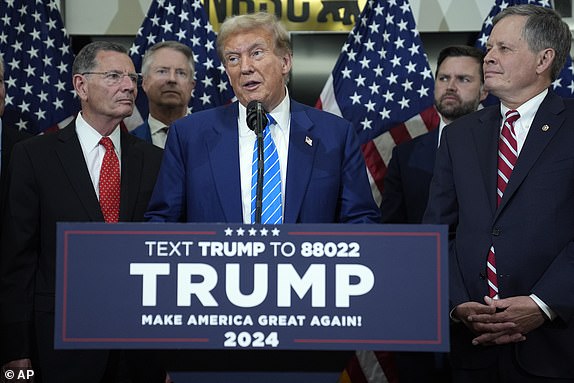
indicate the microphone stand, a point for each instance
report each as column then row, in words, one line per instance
column 261, row 118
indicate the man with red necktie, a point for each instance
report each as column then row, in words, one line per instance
column 88, row 171
column 503, row 182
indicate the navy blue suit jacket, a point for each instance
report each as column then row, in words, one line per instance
column 408, row 178
column 532, row 230
column 143, row 131
column 199, row 180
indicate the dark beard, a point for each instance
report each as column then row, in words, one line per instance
column 451, row 113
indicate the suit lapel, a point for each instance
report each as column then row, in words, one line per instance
column 72, row 161
column 223, row 151
column 487, row 151
column 132, row 160
column 302, row 148
column 536, row 141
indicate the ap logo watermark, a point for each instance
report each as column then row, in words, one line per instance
column 17, row 375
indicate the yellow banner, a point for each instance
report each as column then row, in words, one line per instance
column 296, row 15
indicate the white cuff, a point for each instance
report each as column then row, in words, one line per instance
column 544, row 307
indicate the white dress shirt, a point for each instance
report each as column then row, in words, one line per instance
column 527, row 112
column 93, row 151
column 280, row 134
column 158, row 131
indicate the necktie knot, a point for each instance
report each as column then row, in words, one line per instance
column 107, row 143
column 510, row 118
column 270, row 121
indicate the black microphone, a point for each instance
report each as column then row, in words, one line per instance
column 256, row 121
column 256, row 116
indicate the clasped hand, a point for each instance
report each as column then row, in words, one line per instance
column 500, row 321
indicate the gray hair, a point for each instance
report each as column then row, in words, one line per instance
column 543, row 29
column 85, row 61
column 176, row 46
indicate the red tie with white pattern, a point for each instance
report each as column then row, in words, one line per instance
column 110, row 182
column 507, row 155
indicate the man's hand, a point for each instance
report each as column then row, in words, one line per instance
column 19, row 363
column 522, row 311
column 478, row 318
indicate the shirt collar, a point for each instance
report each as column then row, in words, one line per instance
column 155, row 125
column 528, row 109
column 90, row 138
column 281, row 114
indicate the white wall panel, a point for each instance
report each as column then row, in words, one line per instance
column 123, row 17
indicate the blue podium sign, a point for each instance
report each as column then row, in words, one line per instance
column 233, row 286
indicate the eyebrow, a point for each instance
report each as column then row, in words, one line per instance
column 249, row 48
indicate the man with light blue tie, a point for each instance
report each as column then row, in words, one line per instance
column 209, row 173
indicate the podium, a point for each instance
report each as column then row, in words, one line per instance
column 310, row 293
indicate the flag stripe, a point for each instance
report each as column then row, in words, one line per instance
column 372, row 369
column 383, row 84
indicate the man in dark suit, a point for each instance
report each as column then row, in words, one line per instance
column 8, row 137
column 167, row 71
column 458, row 90
column 506, row 191
column 56, row 178
column 206, row 175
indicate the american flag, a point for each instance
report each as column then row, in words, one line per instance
column 383, row 84
column 563, row 85
column 184, row 21
column 38, row 65
column 370, row 367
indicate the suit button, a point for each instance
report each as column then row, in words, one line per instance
column 496, row 231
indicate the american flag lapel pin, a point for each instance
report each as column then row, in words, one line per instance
column 308, row 141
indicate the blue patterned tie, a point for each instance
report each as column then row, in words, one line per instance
column 272, row 212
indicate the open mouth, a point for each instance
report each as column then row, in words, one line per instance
column 250, row 85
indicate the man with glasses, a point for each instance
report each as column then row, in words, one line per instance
column 167, row 71
column 88, row 171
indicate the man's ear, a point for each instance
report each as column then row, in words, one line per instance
column 81, row 86
column 286, row 62
column 483, row 93
column 545, row 59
